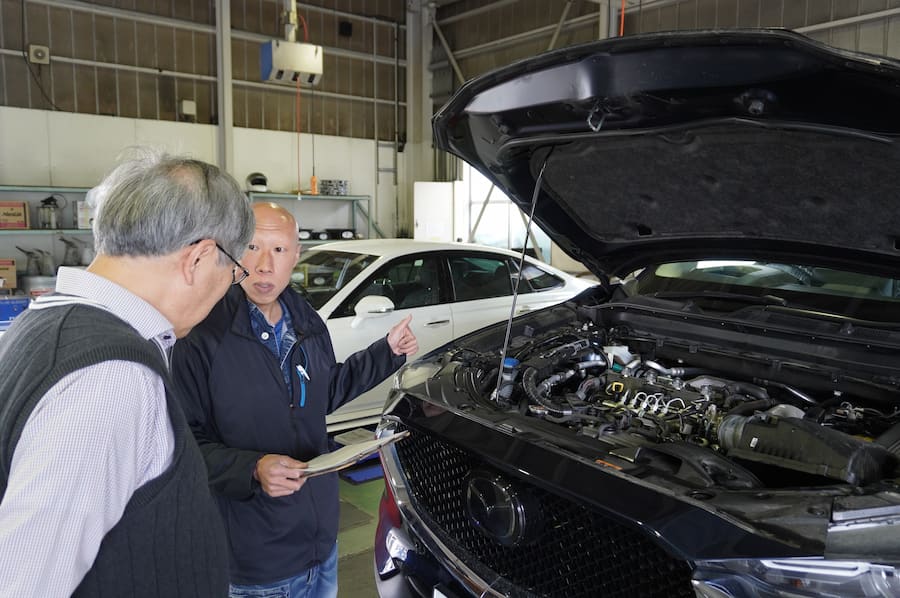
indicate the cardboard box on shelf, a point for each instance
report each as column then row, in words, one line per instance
column 85, row 214
column 7, row 273
column 13, row 215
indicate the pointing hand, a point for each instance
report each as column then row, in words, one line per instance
column 401, row 339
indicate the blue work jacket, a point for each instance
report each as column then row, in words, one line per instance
column 240, row 408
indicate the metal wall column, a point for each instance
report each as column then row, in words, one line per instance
column 225, row 105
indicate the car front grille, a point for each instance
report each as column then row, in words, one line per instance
column 580, row 551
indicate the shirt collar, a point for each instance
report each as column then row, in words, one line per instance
column 142, row 316
column 257, row 315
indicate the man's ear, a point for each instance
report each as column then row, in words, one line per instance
column 190, row 257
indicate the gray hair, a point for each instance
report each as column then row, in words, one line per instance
column 154, row 204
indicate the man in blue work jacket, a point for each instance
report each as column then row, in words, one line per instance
column 258, row 377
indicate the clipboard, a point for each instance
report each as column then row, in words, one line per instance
column 348, row 455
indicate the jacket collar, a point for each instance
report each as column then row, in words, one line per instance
column 306, row 321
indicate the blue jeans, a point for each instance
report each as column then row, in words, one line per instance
column 320, row 581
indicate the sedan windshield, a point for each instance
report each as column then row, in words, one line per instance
column 319, row 275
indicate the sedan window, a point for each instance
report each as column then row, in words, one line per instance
column 408, row 282
column 480, row 277
column 420, row 284
column 320, row 274
column 536, row 279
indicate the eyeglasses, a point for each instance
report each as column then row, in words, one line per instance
column 236, row 277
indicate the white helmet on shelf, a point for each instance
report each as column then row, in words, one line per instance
column 257, row 181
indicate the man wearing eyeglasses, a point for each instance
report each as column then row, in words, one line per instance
column 258, row 377
column 102, row 487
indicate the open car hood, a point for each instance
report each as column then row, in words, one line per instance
column 759, row 144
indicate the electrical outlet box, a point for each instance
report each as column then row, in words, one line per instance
column 187, row 108
column 38, row 54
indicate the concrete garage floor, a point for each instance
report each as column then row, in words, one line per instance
column 359, row 516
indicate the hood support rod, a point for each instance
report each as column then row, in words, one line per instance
column 515, row 295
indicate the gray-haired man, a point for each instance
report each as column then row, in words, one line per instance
column 102, row 488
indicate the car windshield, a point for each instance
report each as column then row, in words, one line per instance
column 837, row 291
column 319, row 275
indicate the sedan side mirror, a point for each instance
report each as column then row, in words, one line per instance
column 371, row 306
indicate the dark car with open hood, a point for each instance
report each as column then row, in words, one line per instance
column 721, row 416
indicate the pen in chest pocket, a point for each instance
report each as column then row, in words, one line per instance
column 304, row 377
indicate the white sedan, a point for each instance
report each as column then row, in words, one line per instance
column 362, row 288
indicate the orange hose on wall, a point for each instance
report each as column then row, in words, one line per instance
column 297, row 109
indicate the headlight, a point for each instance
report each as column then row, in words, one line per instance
column 415, row 373
column 794, row 578
column 395, row 383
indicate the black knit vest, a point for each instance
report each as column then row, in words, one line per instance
column 170, row 540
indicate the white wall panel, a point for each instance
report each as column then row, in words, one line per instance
column 24, row 151
column 844, row 37
column 63, row 149
column 360, row 170
column 872, row 37
column 892, row 39
column 42, row 148
column 196, row 141
column 83, row 147
column 273, row 153
column 335, row 158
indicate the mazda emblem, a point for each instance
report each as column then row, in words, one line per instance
column 500, row 510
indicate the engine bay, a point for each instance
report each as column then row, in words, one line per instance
column 709, row 424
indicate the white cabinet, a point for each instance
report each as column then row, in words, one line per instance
column 325, row 215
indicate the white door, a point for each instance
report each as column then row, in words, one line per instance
column 413, row 285
column 433, row 211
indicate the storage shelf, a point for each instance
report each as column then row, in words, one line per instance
column 42, row 239
column 258, row 195
column 46, row 231
column 28, row 189
column 360, row 207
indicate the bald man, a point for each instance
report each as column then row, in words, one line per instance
column 258, row 377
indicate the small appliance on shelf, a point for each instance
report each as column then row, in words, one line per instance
column 334, row 187
column 343, row 234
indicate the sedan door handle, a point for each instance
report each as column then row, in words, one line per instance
column 437, row 323
column 522, row 309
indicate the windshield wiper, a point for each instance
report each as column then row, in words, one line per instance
column 848, row 321
column 773, row 303
column 723, row 295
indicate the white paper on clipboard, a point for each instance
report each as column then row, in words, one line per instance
column 348, row 455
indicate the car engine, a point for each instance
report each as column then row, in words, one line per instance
column 736, row 432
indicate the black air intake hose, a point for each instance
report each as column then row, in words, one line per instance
column 530, row 386
column 890, row 439
column 804, row 445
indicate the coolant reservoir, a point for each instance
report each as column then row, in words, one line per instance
column 508, row 378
